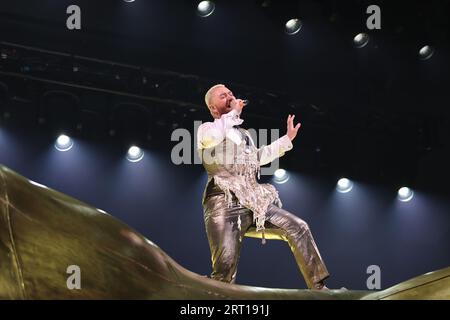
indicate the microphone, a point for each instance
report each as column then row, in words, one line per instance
column 246, row 102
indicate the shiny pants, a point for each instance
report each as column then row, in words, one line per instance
column 225, row 232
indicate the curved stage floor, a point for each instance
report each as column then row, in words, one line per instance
column 43, row 231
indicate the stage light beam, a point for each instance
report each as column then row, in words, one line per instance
column 63, row 143
column 293, row 26
column 426, row 52
column 280, row 176
column 361, row 40
column 405, row 194
column 344, row 185
column 135, row 154
column 205, row 8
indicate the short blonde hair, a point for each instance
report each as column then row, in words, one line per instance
column 209, row 93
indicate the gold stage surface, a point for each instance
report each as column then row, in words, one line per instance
column 43, row 232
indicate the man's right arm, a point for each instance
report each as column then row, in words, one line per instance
column 211, row 134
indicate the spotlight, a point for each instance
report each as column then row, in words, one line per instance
column 128, row 0
column 426, row 52
column 281, row 176
column 293, row 26
column 405, row 194
column 344, row 185
column 205, row 8
column 135, row 154
column 63, row 143
column 361, row 40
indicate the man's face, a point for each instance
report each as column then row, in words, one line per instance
column 220, row 101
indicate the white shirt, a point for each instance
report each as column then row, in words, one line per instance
column 210, row 134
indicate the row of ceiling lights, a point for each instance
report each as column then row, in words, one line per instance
column 135, row 154
column 293, row 26
column 65, row 143
column 344, row 185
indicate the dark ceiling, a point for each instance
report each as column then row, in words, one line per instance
column 138, row 69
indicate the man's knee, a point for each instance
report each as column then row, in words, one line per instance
column 288, row 221
column 302, row 225
column 298, row 226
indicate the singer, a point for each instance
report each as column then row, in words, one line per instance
column 235, row 203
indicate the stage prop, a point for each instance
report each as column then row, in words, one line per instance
column 52, row 244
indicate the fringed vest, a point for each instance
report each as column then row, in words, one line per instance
column 233, row 169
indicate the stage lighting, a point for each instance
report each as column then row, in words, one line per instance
column 63, row 143
column 205, row 8
column 426, row 52
column 360, row 40
column 293, row 26
column 280, row 176
column 405, row 194
column 128, row 0
column 135, row 154
column 344, row 185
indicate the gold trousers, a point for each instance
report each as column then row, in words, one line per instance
column 226, row 227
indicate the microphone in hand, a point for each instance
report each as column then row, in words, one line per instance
column 238, row 104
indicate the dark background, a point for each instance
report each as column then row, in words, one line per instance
column 137, row 71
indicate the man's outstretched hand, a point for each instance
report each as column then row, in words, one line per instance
column 291, row 130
